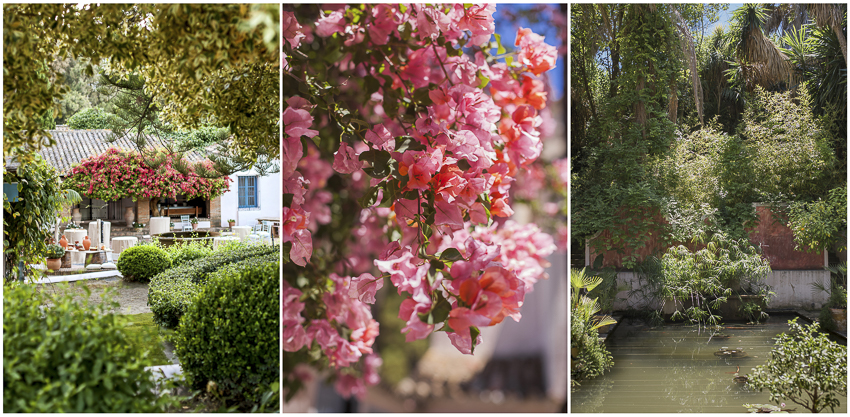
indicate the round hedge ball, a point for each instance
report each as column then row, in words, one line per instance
column 141, row 263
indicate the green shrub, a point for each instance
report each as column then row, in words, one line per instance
column 806, row 368
column 54, row 251
column 70, row 357
column 185, row 252
column 140, row 263
column 231, row 334
column 171, row 292
column 91, row 118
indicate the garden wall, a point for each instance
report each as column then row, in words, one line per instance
column 793, row 290
column 771, row 233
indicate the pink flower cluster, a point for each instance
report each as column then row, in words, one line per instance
column 117, row 174
column 452, row 166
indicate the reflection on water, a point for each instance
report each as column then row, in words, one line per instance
column 676, row 368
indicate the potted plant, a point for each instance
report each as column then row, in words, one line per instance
column 194, row 222
column 231, row 222
column 54, row 257
column 172, row 225
column 138, row 225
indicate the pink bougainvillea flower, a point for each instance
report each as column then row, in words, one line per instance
column 460, row 320
column 294, row 336
column 297, row 122
column 302, row 247
column 381, row 138
column 347, row 385
column 478, row 19
column 364, row 337
column 323, row 333
column 385, row 21
column 415, row 329
column 364, row 287
column 345, row 159
column 372, row 363
column 291, row 30
column 292, row 153
column 330, row 24
column 448, row 214
column 534, row 53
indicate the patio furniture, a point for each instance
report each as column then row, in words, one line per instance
column 119, row 244
column 262, row 231
column 221, row 240
column 241, row 231
column 175, row 211
column 275, row 222
column 159, row 225
column 187, row 225
column 77, row 257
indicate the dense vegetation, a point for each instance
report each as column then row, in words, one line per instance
column 695, row 126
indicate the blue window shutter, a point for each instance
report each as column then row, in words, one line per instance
column 247, row 192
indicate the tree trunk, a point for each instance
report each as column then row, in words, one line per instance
column 154, row 208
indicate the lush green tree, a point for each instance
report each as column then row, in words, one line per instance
column 215, row 63
column 27, row 222
column 804, row 367
column 91, row 118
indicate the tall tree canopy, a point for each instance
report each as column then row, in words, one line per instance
column 213, row 63
column 695, row 124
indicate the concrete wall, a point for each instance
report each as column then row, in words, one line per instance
column 268, row 200
column 793, row 290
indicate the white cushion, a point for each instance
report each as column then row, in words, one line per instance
column 108, row 265
column 94, row 267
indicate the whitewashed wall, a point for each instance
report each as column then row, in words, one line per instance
column 793, row 290
column 268, row 199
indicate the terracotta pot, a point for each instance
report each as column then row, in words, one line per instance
column 54, row 263
column 76, row 216
column 194, row 226
column 63, row 242
column 129, row 216
column 231, row 224
column 86, row 243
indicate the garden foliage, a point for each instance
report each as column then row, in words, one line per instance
column 91, row 118
column 220, row 61
column 806, row 368
column 141, row 263
column 27, row 222
column 592, row 359
column 60, row 355
column 230, row 334
column 173, row 291
column 699, row 280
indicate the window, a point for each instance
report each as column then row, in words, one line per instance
column 247, row 192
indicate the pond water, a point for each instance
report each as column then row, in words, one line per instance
column 673, row 368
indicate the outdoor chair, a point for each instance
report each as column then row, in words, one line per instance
column 261, row 232
column 184, row 219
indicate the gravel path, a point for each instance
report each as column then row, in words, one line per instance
column 132, row 296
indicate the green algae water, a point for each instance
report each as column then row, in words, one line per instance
column 675, row 369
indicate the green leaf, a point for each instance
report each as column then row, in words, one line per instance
column 501, row 49
column 474, row 332
column 369, row 199
column 451, row 254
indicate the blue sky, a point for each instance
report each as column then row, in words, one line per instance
column 507, row 30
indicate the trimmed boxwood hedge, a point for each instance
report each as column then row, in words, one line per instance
column 140, row 263
column 172, row 291
column 230, row 333
column 66, row 355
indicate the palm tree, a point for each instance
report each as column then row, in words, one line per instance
column 758, row 61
